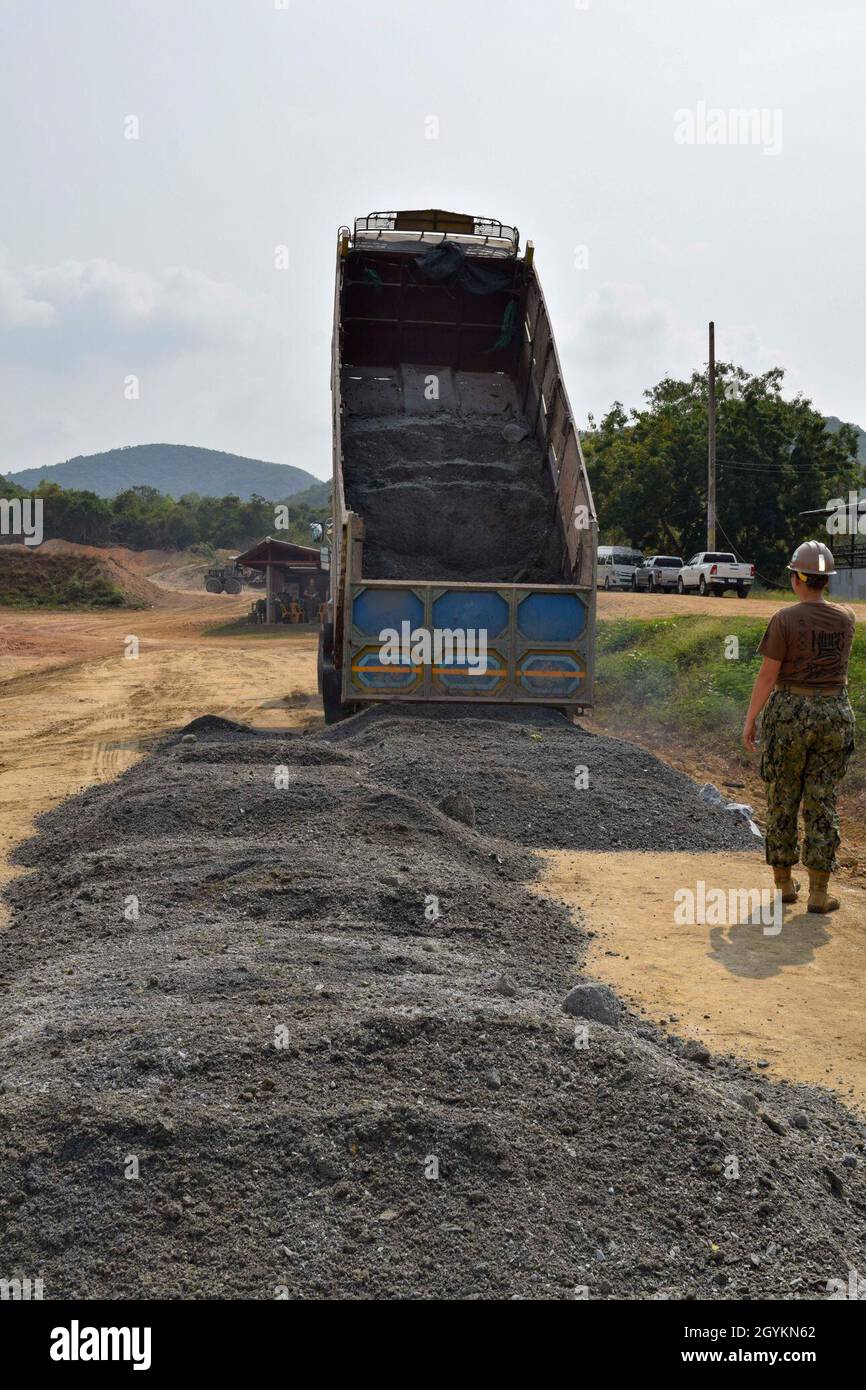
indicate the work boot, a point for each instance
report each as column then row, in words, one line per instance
column 819, row 898
column 788, row 886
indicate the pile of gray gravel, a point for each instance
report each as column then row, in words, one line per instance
column 273, row 1022
column 449, row 497
column 540, row 780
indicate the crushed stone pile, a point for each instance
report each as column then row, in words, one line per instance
column 522, row 778
column 273, row 1022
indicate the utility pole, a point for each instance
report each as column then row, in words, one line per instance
column 711, row 452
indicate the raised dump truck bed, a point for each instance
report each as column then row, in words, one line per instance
column 461, row 501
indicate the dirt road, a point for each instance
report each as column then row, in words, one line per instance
column 75, row 709
column 789, row 997
column 628, row 605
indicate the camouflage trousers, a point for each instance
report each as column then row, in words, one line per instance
column 805, row 747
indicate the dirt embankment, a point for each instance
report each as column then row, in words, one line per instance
column 59, row 579
column 63, row 574
column 272, row 1020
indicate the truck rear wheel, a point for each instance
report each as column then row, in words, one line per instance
column 742, row 592
column 329, row 680
column 332, row 697
column 233, row 586
column 213, row 586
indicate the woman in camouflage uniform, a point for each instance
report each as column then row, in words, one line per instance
column 807, row 733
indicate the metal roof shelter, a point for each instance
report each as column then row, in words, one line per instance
column 285, row 558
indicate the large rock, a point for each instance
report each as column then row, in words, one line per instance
column 596, row 1002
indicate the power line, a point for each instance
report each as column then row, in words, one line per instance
column 771, row 584
column 762, row 467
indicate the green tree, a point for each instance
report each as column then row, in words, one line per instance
column 776, row 458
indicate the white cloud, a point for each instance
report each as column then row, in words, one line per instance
column 18, row 308
column 626, row 340
column 619, row 322
column 94, row 307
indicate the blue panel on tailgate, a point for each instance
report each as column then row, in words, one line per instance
column 551, row 617
column 373, row 610
column 548, row 675
column 471, row 609
column 487, row 643
column 372, row 674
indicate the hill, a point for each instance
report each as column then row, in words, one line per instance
column 833, row 424
column 173, row 468
column 319, row 495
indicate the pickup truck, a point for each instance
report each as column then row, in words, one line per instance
column 657, row 573
column 714, row 571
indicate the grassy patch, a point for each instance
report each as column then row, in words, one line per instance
column 673, row 674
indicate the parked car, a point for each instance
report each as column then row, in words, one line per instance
column 657, row 573
column 714, row 571
column 616, row 565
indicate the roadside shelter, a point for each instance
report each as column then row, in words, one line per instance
column 288, row 569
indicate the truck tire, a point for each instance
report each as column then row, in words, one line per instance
column 742, row 591
column 332, row 698
column 681, row 588
column 213, row 586
column 329, row 680
column 233, row 586
column 702, row 587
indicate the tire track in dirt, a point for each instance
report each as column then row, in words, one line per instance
column 77, row 722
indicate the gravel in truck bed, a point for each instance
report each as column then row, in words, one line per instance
column 273, row 1023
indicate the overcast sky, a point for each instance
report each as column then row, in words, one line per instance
column 588, row 125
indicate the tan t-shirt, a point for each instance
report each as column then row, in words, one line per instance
column 813, row 643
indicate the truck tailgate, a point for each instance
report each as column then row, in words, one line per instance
column 538, row 642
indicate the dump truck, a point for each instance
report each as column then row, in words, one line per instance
column 464, row 535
